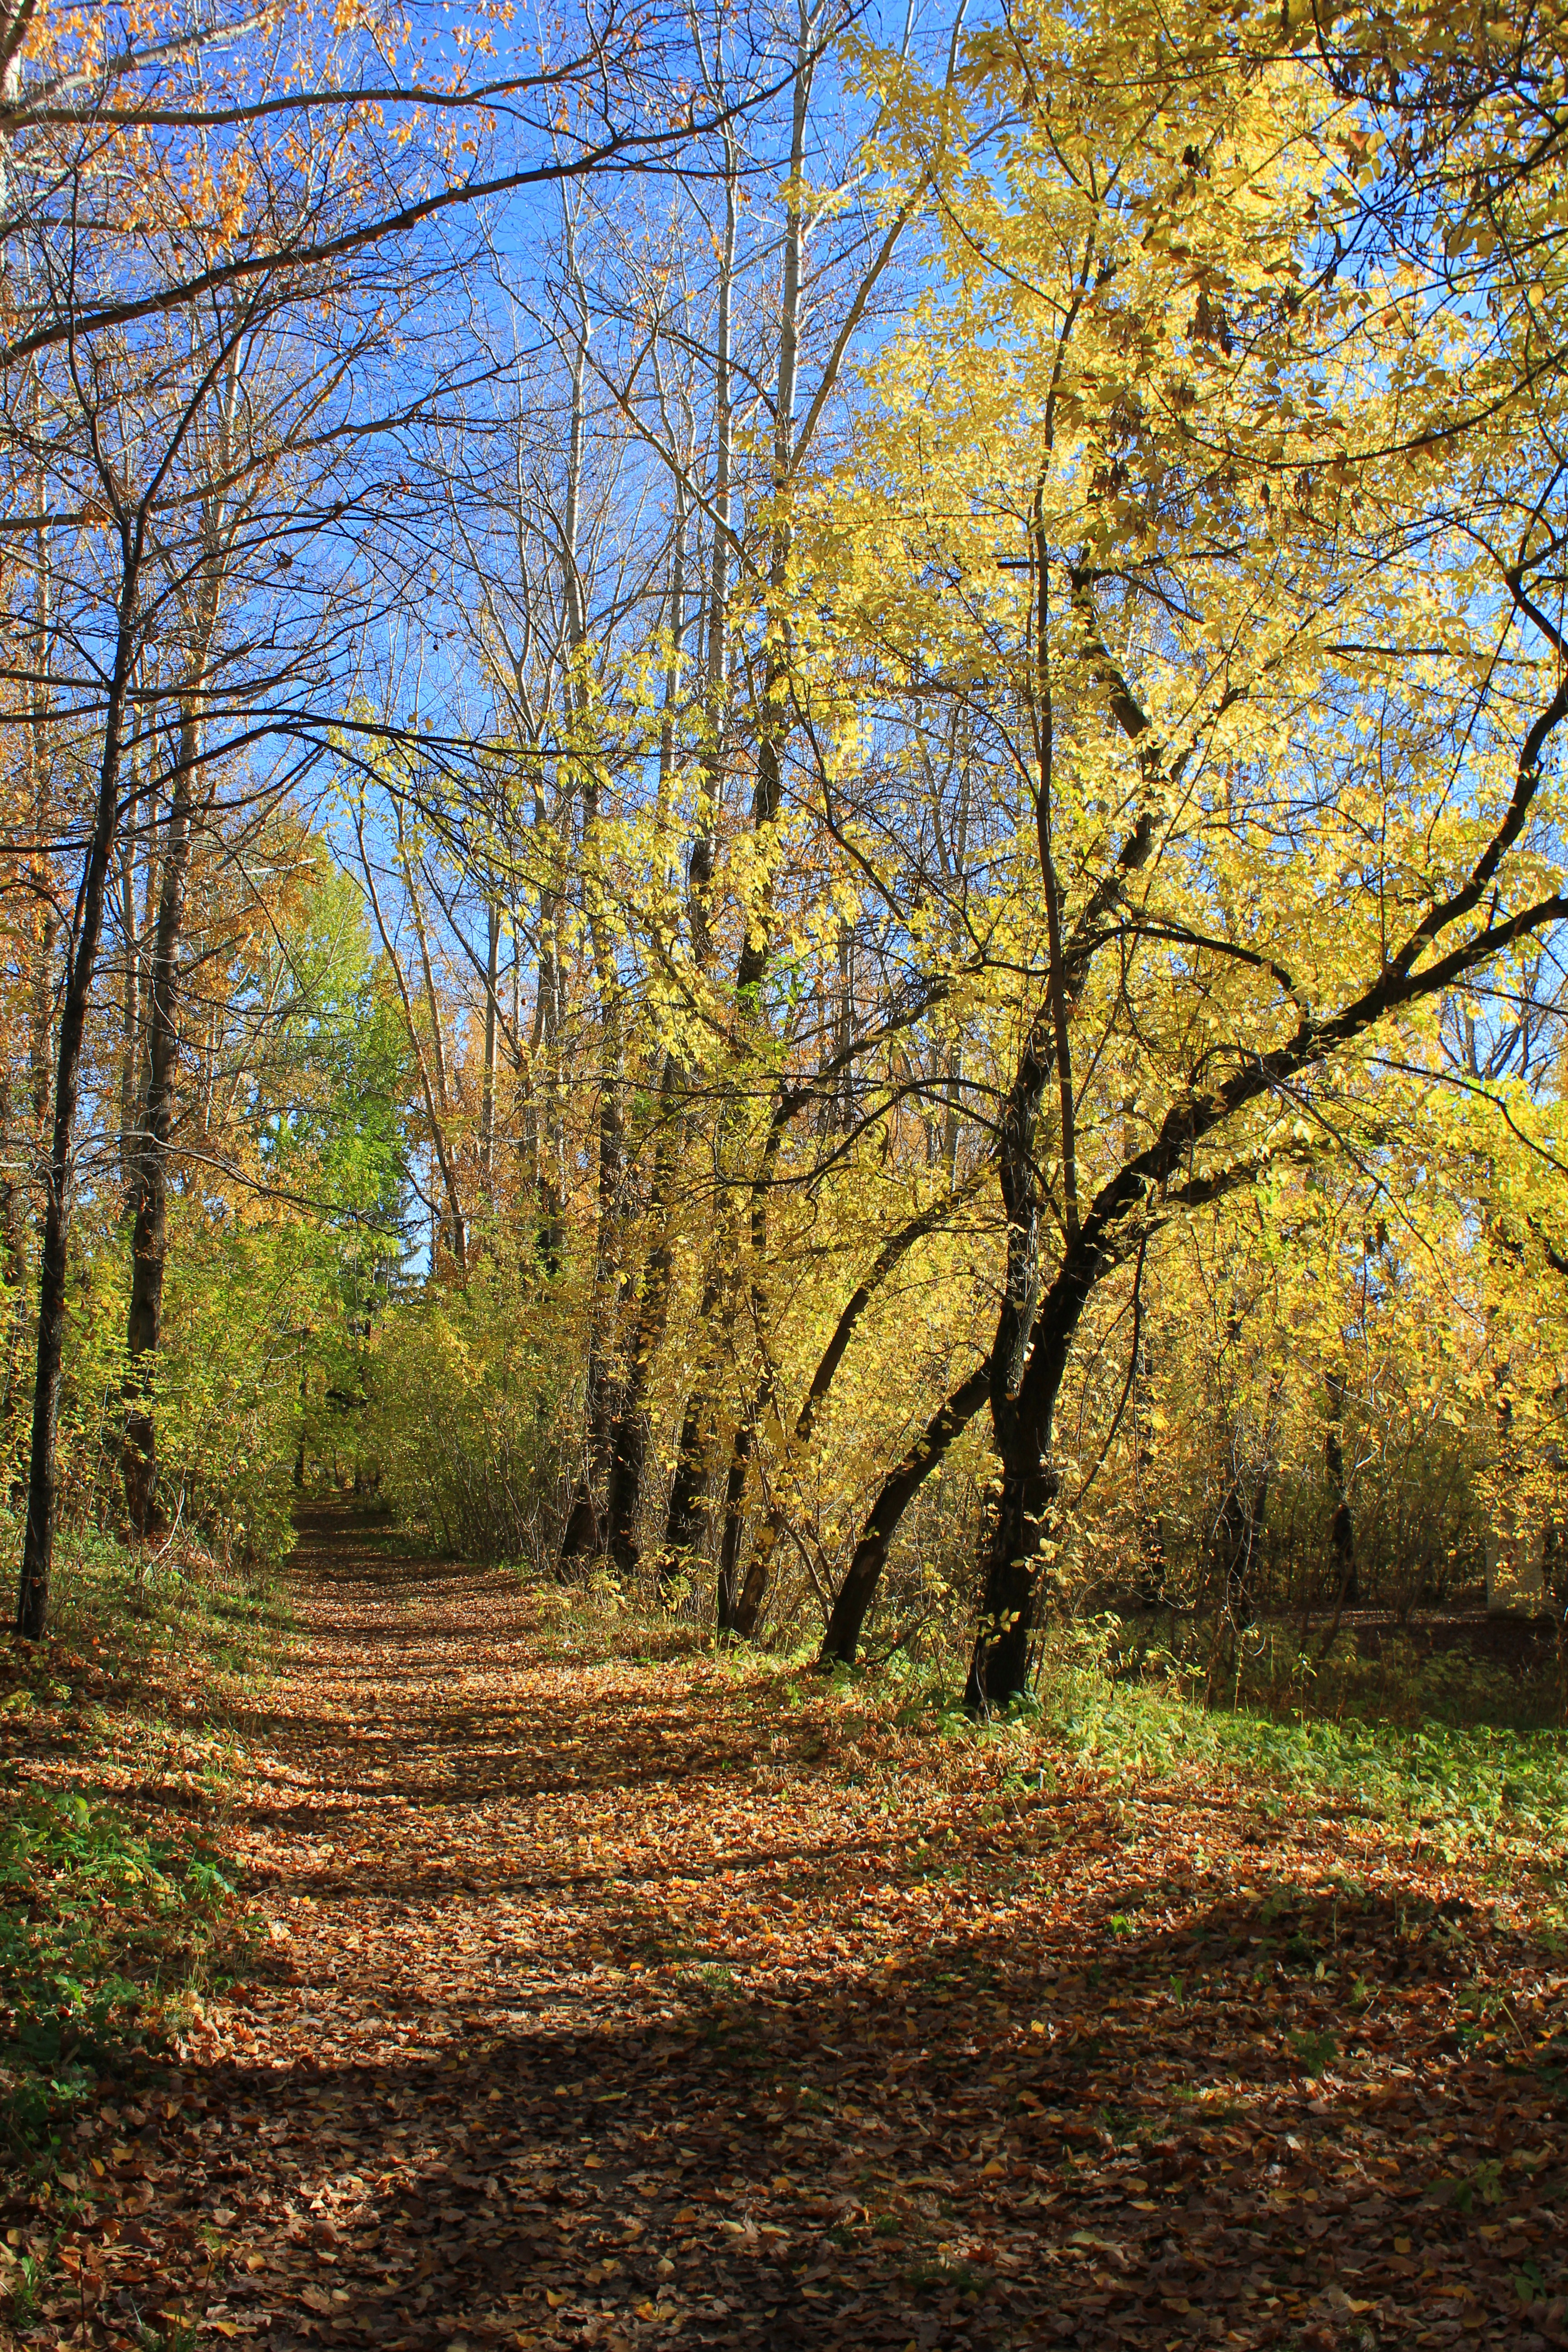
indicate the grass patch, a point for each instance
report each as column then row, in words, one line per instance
column 1469, row 1784
column 112, row 1926
column 124, row 1609
column 1487, row 1789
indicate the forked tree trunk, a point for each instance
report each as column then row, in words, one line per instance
column 748, row 1601
column 1027, row 1495
column 852, row 1602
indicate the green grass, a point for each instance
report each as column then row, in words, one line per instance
column 104, row 1933
column 1492, row 1788
column 110, row 1930
column 1470, row 1783
column 121, row 1607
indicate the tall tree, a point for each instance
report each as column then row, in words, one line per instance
column 1244, row 498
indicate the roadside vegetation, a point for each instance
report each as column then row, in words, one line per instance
column 119, row 1912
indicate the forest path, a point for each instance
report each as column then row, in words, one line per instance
column 616, row 2003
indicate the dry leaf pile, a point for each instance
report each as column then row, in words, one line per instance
column 603, row 2003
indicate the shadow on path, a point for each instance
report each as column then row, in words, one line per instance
column 601, row 2005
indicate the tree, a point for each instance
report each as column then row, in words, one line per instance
column 161, row 203
column 1181, row 493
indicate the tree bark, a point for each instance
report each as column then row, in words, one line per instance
column 853, row 1601
column 150, row 1193
column 86, row 930
column 42, row 788
column 130, row 1011
column 1341, row 1527
column 488, row 1098
column 686, row 1516
column 1150, row 1521
column 13, row 1262
column 629, row 1446
column 1028, row 1488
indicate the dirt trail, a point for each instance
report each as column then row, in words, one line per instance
column 621, row 2005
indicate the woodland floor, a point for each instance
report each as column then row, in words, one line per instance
column 604, row 2002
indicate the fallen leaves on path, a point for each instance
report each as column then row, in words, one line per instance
column 605, row 2003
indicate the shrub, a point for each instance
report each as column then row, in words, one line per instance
column 468, row 1421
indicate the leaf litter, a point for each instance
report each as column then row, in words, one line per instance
column 592, row 2001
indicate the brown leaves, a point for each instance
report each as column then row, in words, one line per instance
column 883, row 2053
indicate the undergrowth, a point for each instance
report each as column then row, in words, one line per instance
column 1273, row 1669
column 1493, row 1792
column 106, row 1936
column 111, row 1931
column 125, row 1607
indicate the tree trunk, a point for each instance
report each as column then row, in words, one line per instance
column 487, row 1098
column 1027, row 1492
column 585, row 1525
column 86, row 930
column 853, row 1601
column 1029, row 1487
column 734, row 1529
column 1151, row 1525
column 150, row 1195
column 546, row 1123
column 628, row 1444
column 42, row 788
column 767, row 802
column 1239, row 1529
column 1342, row 1529
column 1236, row 1533
column 13, row 1264
column 686, row 1516
column 130, row 1017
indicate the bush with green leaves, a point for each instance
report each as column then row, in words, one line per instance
column 469, row 1422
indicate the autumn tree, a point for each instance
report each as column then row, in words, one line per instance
column 1240, row 531
column 160, row 204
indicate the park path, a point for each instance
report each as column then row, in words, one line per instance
column 630, row 2003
